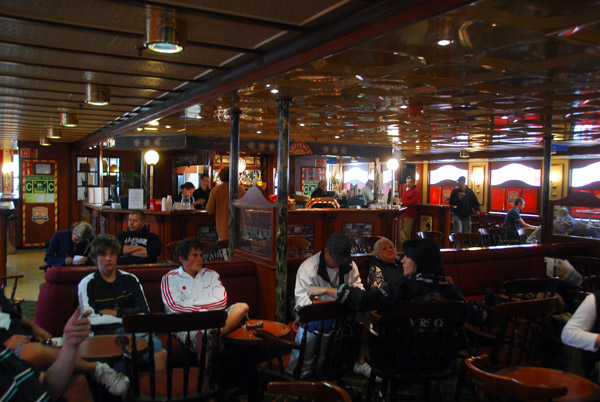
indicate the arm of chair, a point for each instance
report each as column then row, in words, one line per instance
column 275, row 341
column 479, row 332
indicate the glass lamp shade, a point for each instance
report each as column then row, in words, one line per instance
column 54, row 133
column 393, row 164
column 69, row 119
column 97, row 95
column 151, row 157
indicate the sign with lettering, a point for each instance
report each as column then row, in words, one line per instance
column 300, row 148
column 39, row 189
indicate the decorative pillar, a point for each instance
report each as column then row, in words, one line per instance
column 234, row 158
column 544, row 213
column 282, row 208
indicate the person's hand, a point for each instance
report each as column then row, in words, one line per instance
column 108, row 311
column 77, row 328
column 40, row 333
column 316, row 291
column 81, row 261
column 68, row 261
column 16, row 341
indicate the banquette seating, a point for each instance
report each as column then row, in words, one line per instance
column 58, row 296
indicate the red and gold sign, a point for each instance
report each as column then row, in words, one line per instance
column 300, row 148
column 39, row 215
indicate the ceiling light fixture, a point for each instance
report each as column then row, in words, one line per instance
column 54, row 133
column 45, row 142
column 164, row 33
column 97, row 95
column 274, row 91
column 444, row 42
column 360, row 77
column 154, row 123
column 69, row 119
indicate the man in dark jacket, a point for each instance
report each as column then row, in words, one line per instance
column 70, row 247
column 465, row 201
column 140, row 246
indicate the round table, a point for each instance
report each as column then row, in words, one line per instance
column 579, row 389
column 104, row 348
column 243, row 336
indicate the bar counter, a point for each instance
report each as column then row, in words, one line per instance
column 313, row 224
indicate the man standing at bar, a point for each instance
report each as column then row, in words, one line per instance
column 410, row 199
column 203, row 192
column 140, row 246
column 218, row 204
column 465, row 201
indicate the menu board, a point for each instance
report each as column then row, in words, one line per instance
column 310, row 179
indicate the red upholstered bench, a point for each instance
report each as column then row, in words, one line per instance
column 58, row 296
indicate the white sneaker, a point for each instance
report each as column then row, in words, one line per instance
column 362, row 369
column 116, row 383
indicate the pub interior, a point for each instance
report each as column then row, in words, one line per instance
column 109, row 106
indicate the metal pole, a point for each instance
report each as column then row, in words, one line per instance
column 234, row 157
column 544, row 213
column 282, row 208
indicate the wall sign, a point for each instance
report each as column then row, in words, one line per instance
column 300, row 148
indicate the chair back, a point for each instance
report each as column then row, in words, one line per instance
column 184, row 381
column 464, row 240
column 487, row 384
column 322, row 202
column 520, row 331
column 366, row 244
column 323, row 391
column 489, row 237
column 435, row 236
column 531, row 288
column 417, row 339
column 297, row 246
column 589, row 268
column 326, row 329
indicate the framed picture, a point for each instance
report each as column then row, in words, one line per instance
column 426, row 223
column 43, row 168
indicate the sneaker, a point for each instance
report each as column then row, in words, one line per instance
column 116, row 383
column 362, row 369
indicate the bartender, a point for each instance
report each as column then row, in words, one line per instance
column 202, row 193
column 321, row 190
column 187, row 188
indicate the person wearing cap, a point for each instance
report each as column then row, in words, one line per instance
column 466, row 203
column 331, row 267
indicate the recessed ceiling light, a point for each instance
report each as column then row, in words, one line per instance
column 139, row 129
column 150, row 128
column 167, row 126
column 337, row 136
column 274, row 91
column 153, row 123
column 403, row 106
column 359, row 77
column 444, row 42
column 302, row 124
column 258, row 131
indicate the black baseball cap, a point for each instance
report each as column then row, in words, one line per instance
column 340, row 248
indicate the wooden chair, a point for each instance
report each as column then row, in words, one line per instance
column 504, row 388
column 16, row 301
column 464, row 240
column 415, row 342
column 322, row 202
column 589, row 268
column 489, row 237
column 514, row 335
column 297, row 246
column 528, row 289
column 435, row 236
column 327, row 347
column 366, row 244
column 190, row 383
column 323, row 391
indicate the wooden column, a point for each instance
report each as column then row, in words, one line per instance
column 282, row 208
column 234, row 180
column 544, row 212
column 4, row 214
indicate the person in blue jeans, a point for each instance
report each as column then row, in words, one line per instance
column 111, row 294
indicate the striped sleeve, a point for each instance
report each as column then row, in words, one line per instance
column 171, row 296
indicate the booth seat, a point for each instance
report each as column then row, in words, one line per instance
column 58, row 296
column 475, row 270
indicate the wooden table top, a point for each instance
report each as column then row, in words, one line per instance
column 245, row 336
column 104, row 348
column 579, row 389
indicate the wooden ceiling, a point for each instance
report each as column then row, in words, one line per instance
column 358, row 72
